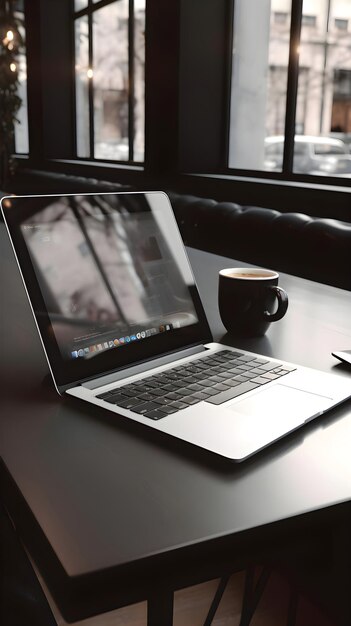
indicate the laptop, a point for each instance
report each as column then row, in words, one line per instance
column 123, row 328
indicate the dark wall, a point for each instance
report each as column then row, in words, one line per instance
column 50, row 78
column 204, row 84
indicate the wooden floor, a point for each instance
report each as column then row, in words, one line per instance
column 191, row 606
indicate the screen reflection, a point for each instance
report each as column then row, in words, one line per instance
column 109, row 270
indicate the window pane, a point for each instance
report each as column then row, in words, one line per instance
column 139, row 80
column 110, row 80
column 21, row 126
column 280, row 17
column 82, row 86
column 309, row 20
column 323, row 121
column 80, row 4
column 259, row 82
column 341, row 24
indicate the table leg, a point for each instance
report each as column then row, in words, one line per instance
column 160, row 608
column 253, row 592
column 216, row 600
column 342, row 571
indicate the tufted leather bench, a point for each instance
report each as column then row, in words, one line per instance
column 311, row 247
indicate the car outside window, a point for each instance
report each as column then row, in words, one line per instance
column 325, row 149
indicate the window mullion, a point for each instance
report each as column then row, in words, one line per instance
column 131, row 80
column 90, row 86
column 292, row 86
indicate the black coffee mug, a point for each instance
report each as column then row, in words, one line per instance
column 247, row 298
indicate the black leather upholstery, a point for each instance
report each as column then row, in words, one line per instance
column 42, row 182
column 311, row 247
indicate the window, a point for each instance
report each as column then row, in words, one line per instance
column 14, row 56
column 341, row 24
column 219, row 91
column 309, row 20
column 295, row 89
column 280, row 17
column 109, row 79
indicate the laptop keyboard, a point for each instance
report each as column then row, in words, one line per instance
column 215, row 378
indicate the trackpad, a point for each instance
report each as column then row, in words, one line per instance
column 284, row 408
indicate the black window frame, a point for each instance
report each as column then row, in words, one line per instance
column 287, row 175
column 291, row 102
column 186, row 144
column 91, row 8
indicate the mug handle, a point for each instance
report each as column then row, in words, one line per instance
column 283, row 302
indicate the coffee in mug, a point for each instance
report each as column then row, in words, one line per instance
column 247, row 298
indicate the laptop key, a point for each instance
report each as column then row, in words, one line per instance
column 240, row 379
column 178, row 384
column 235, row 370
column 146, row 396
column 225, row 376
column 248, row 375
column 260, row 380
column 160, row 392
column 268, row 366
column 209, row 391
column 258, row 371
column 190, row 400
column 220, row 387
column 114, row 399
column 234, row 392
column 162, row 400
column 191, row 379
column 193, row 369
column 232, row 382
column 145, row 406
column 174, row 396
column 150, row 384
column 155, row 414
column 170, row 387
column 195, row 387
column 202, row 366
column 270, row 375
column 202, row 395
column 128, row 403
column 178, row 405
column 216, row 379
column 199, row 377
column 106, row 394
column 139, row 383
column 169, row 409
column 127, row 391
column 207, row 382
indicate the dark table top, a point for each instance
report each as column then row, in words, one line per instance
column 101, row 500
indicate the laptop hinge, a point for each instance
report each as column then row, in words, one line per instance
column 141, row 367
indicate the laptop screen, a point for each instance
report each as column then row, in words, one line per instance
column 108, row 279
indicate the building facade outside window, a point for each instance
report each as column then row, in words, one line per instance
column 21, row 125
column 109, row 79
column 259, row 87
